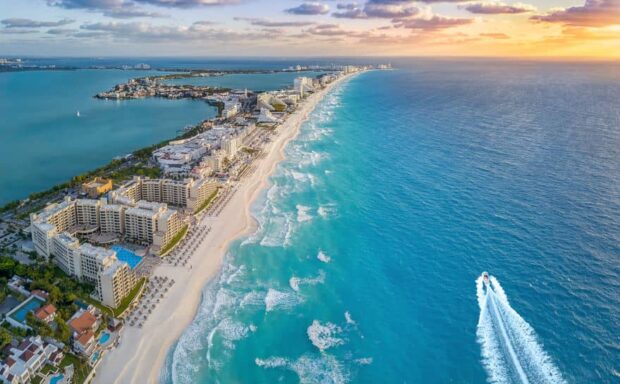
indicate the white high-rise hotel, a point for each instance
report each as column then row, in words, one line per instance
column 188, row 193
column 52, row 235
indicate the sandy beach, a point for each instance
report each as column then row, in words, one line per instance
column 142, row 351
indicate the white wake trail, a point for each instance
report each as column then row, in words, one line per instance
column 511, row 352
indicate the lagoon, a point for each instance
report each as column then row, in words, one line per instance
column 43, row 141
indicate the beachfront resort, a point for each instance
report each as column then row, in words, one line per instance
column 111, row 242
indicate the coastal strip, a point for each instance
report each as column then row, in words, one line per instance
column 140, row 356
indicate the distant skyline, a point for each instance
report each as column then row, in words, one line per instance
column 542, row 28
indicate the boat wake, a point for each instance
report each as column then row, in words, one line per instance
column 511, row 352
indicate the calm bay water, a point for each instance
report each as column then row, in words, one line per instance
column 43, row 142
column 401, row 189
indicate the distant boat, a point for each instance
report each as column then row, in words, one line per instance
column 77, row 114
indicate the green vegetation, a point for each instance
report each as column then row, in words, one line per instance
column 250, row 151
column 174, row 240
column 5, row 337
column 63, row 332
column 80, row 368
column 62, row 289
column 40, row 327
column 47, row 369
column 17, row 332
column 136, row 170
column 207, row 202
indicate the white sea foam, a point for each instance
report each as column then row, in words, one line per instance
column 310, row 369
column 280, row 300
column 303, row 213
column 323, row 257
column 295, row 281
column 252, row 298
column 510, row 348
column 278, row 230
column 364, row 361
column 348, row 318
column 324, row 336
column 230, row 331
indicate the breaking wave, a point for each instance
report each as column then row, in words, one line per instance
column 310, row 369
column 276, row 299
column 295, row 282
column 324, row 336
column 323, row 257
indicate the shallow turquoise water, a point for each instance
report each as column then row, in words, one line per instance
column 44, row 142
column 256, row 82
column 401, row 189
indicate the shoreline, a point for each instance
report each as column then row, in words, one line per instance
column 140, row 359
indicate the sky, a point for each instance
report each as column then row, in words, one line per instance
column 502, row 28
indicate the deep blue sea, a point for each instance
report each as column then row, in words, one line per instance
column 402, row 187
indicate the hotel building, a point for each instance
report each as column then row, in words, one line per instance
column 188, row 193
column 53, row 231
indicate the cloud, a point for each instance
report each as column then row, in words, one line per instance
column 387, row 9
column 274, row 24
column 390, row 10
column 433, row 23
column 6, row 31
column 187, row 3
column 88, row 4
column 129, row 13
column 61, row 31
column 500, row 36
column 594, row 13
column 28, row 23
column 349, row 11
column 309, row 9
column 146, row 32
column 118, row 9
column 334, row 31
column 495, row 8
column 442, row 1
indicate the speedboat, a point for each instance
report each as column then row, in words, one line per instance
column 485, row 278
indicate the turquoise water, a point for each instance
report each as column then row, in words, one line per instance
column 127, row 256
column 256, row 82
column 401, row 189
column 29, row 305
column 57, row 379
column 45, row 143
column 105, row 336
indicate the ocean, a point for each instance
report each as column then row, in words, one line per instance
column 402, row 187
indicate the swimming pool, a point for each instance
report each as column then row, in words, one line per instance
column 94, row 357
column 19, row 313
column 57, row 379
column 127, row 256
column 105, row 336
